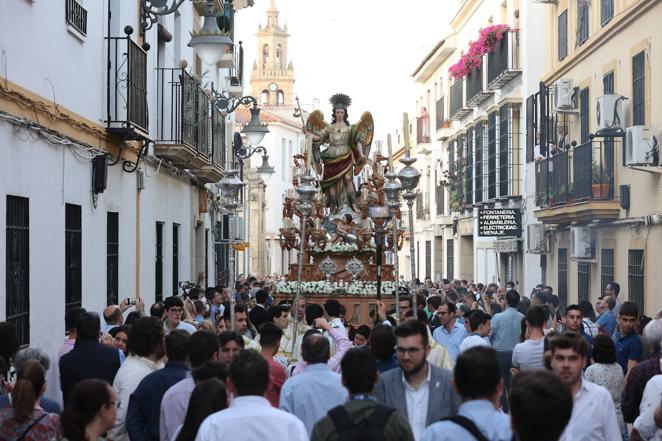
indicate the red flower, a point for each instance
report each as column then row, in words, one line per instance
column 486, row 43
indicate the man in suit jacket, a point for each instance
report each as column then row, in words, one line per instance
column 420, row 391
column 88, row 358
column 258, row 315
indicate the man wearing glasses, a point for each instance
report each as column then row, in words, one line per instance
column 174, row 308
column 420, row 391
column 451, row 333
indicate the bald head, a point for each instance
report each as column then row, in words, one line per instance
column 315, row 348
column 113, row 315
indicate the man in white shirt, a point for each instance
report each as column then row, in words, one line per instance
column 650, row 403
column 529, row 354
column 250, row 417
column 332, row 311
column 479, row 324
column 593, row 413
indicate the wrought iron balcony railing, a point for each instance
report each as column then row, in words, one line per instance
column 237, row 72
column 218, row 144
column 440, row 113
column 477, row 91
column 126, row 88
column 183, row 111
column 458, row 108
column 423, row 129
column 504, row 63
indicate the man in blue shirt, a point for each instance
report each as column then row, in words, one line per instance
column 477, row 379
column 505, row 334
column 451, row 333
column 143, row 413
column 628, row 344
column 315, row 391
column 606, row 320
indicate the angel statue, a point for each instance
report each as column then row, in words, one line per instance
column 346, row 153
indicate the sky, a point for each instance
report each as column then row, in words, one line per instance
column 367, row 49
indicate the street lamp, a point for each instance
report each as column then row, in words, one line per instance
column 392, row 189
column 409, row 177
column 231, row 185
column 306, row 192
column 209, row 43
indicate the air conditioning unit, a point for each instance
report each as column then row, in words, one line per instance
column 582, row 241
column 609, row 112
column 564, row 96
column 536, row 239
column 641, row 146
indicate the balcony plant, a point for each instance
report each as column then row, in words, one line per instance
column 486, row 43
column 600, row 180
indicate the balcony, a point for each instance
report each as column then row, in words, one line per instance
column 235, row 84
column 183, row 119
column 126, row 88
column 577, row 185
column 504, row 63
column 476, row 81
column 458, row 108
column 423, row 129
column 212, row 171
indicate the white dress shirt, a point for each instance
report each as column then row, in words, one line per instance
column 251, row 418
column 474, row 340
column 593, row 416
column 417, row 404
column 645, row 422
column 126, row 381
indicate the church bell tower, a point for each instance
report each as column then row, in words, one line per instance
column 272, row 81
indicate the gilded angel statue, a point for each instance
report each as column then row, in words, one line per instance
column 346, row 152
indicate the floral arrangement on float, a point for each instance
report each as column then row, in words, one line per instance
column 343, row 248
column 486, row 43
column 355, row 288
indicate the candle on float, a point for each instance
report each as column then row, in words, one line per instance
column 390, row 152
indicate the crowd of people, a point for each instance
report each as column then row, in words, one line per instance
column 455, row 360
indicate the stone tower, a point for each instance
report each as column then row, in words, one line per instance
column 272, row 81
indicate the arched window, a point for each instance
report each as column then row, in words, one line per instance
column 264, row 98
column 265, row 55
column 279, row 55
column 281, row 98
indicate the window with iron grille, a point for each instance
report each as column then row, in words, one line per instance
column 608, row 83
column 636, row 278
column 419, row 206
column 563, row 35
column 460, row 166
column 449, row 259
column 112, row 258
column 478, row 162
column 17, row 275
column 440, row 113
column 584, row 113
column 606, row 267
column 504, row 149
column 492, row 155
column 439, row 195
column 175, row 258
column 606, row 11
column 583, row 17
column 158, row 263
column 469, row 174
column 639, row 89
column 76, row 16
column 531, row 141
column 428, row 259
column 562, row 289
column 72, row 256
column 583, row 281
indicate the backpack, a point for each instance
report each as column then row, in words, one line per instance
column 468, row 425
column 369, row 429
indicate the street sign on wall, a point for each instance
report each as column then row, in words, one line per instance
column 499, row 222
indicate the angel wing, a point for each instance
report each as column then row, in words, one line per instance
column 315, row 124
column 364, row 132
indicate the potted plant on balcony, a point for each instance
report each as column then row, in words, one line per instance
column 600, row 181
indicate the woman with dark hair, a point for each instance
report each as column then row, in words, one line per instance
column 25, row 420
column 606, row 372
column 91, row 411
column 208, row 397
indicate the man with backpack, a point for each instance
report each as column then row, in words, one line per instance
column 477, row 378
column 361, row 418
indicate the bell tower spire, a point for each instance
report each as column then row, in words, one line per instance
column 272, row 80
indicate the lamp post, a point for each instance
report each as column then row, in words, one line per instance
column 306, row 192
column 231, row 185
column 392, row 189
column 409, row 177
column 210, row 42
